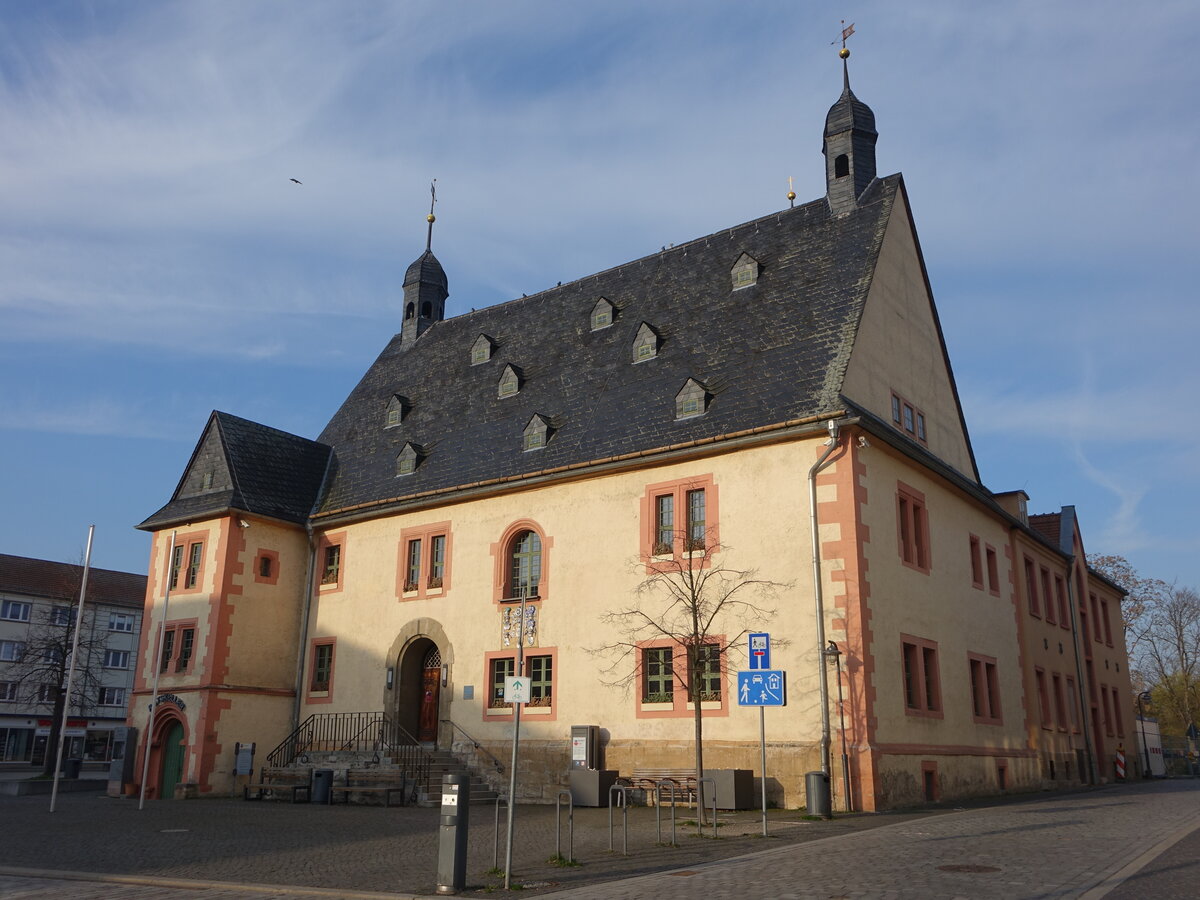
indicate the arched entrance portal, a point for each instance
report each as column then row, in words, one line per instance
column 168, row 751
column 420, row 684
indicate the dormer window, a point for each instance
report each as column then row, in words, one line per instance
column 692, row 400
column 645, row 344
column 744, row 272
column 510, row 382
column 397, row 408
column 407, row 460
column 537, row 433
column 206, row 482
column 602, row 314
column 481, row 350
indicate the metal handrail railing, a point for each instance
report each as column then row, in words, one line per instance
column 495, row 762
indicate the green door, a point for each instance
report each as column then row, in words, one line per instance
column 172, row 761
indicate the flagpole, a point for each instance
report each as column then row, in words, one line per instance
column 157, row 668
column 66, row 711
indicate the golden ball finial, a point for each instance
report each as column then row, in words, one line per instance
column 431, row 218
column 791, row 195
column 844, row 53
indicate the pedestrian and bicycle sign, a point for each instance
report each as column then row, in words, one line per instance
column 516, row 689
column 760, row 651
column 762, row 688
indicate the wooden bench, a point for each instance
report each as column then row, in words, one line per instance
column 375, row 781
column 683, row 780
column 280, row 778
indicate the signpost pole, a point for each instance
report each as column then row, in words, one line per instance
column 762, row 745
column 512, row 774
column 66, row 689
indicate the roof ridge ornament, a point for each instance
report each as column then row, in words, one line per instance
column 844, row 53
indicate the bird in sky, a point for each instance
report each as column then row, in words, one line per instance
column 296, row 181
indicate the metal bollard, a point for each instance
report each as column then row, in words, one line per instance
column 452, row 837
column 658, row 808
column 570, row 825
column 621, row 792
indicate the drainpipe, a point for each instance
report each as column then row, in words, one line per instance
column 1082, row 688
column 830, row 445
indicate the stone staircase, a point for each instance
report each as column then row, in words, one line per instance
column 442, row 762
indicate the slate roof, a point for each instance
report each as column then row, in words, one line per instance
column 272, row 473
column 766, row 354
column 61, row 581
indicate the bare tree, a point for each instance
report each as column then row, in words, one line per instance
column 1141, row 592
column 1168, row 660
column 41, row 671
column 691, row 608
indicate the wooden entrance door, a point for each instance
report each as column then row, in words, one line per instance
column 427, row 724
column 172, row 761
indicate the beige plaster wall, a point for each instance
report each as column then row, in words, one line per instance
column 898, row 346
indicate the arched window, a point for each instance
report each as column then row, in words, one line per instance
column 841, row 166
column 408, row 311
column 525, row 564
column 426, row 310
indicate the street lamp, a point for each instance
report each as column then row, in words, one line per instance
column 836, row 654
column 1144, row 697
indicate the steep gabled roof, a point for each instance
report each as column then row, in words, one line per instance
column 62, row 581
column 243, row 466
column 771, row 352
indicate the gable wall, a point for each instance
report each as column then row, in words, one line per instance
column 898, row 348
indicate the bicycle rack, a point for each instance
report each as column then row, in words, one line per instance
column 658, row 789
column 622, row 792
column 570, row 825
column 700, row 806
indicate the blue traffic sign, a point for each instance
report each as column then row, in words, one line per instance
column 762, row 688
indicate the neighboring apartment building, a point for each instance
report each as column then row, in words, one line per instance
column 568, row 446
column 38, row 601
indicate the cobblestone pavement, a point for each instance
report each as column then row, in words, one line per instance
column 1059, row 846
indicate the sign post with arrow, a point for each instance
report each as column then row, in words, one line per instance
column 761, row 686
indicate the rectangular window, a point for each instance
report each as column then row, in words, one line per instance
column 664, row 528
column 332, row 569
column 1060, row 594
column 322, row 671
column 1116, row 705
column 1096, row 626
column 15, row 610
column 48, row 693
column 264, row 567
column 922, row 688
column 1060, row 710
column 195, row 555
column 921, row 427
column 112, row 696
column 120, row 622
column 895, row 409
column 1107, row 623
column 913, row 528
column 707, row 673
column 1049, row 601
column 540, row 670
column 413, row 577
column 1035, row 608
column 187, row 637
column 1043, row 696
column 11, row 651
column 502, row 667
column 985, row 689
column 993, row 571
column 695, row 520
column 909, row 425
column 437, row 560
column 168, row 649
column 60, row 615
column 1106, row 705
column 116, row 659
column 976, row 563
column 658, row 675
column 8, row 691
column 176, row 565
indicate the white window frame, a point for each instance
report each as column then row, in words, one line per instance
column 11, row 610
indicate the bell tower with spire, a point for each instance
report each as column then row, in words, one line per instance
column 849, row 146
column 425, row 287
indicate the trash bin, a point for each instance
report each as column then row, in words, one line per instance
column 71, row 768
column 322, row 784
column 819, row 802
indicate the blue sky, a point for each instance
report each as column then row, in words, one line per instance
column 156, row 262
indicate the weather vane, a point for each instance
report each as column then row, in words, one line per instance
column 847, row 30
column 431, row 218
